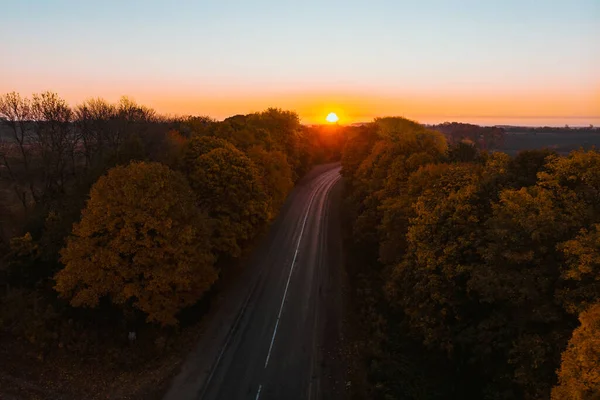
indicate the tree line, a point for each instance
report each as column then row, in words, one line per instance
column 113, row 212
column 489, row 264
column 489, row 138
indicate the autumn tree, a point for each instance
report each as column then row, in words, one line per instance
column 429, row 181
column 200, row 145
column 174, row 145
column 518, row 277
column 483, row 256
column 357, row 148
column 276, row 176
column 141, row 242
column 578, row 172
column 581, row 270
column 442, row 237
column 228, row 186
column 283, row 128
column 242, row 133
column 579, row 373
column 402, row 148
column 463, row 151
column 525, row 166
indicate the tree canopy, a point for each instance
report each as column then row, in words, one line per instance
column 142, row 242
column 579, row 374
column 486, row 258
column 228, row 186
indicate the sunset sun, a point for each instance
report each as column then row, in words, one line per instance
column 332, row 118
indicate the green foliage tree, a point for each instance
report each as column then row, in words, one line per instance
column 141, row 242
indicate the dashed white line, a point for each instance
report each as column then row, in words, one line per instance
column 258, row 393
column 290, row 275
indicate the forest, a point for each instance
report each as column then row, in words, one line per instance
column 477, row 273
column 166, row 206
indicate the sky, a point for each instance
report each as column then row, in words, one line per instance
column 527, row 62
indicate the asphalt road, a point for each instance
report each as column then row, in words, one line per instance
column 276, row 333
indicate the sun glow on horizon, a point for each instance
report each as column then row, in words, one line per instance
column 332, row 118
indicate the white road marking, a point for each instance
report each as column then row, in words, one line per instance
column 290, row 274
column 258, row 393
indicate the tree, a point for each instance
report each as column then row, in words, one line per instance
column 404, row 147
column 228, row 186
column 581, row 270
column 431, row 180
column 517, row 279
column 579, row 172
column 477, row 277
column 239, row 131
column 357, row 148
column 276, row 176
column 95, row 119
column 463, row 151
column 15, row 155
column 141, row 242
column 579, row 373
column 525, row 166
column 200, row 145
column 442, row 238
column 174, row 145
column 23, row 260
column 284, row 130
column 56, row 141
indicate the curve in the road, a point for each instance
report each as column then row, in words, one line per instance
column 292, row 268
column 269, row 346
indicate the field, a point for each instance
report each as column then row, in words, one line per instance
column 562, row 142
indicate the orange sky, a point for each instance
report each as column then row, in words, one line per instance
column 492, row 62
column 537, row 106
column 556, row 107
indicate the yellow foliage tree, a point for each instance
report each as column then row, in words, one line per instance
column 200, row 145
column 276, row 175
column 579, row 374
column 581, row 269
column 228, row 186
column 141, row 242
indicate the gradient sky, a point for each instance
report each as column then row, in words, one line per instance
column 484, row 61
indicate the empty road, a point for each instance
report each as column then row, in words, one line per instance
column 276, row 332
